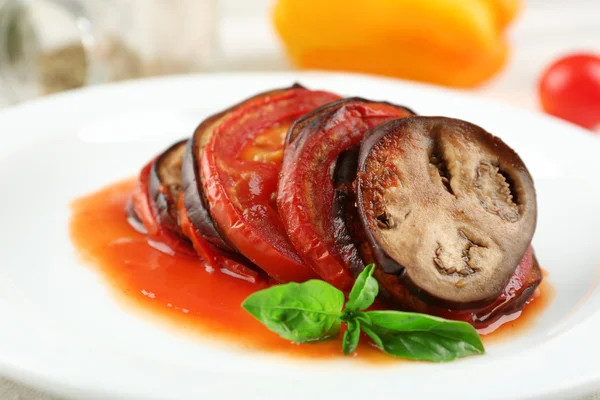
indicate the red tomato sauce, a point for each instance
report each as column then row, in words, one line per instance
column 183, row 293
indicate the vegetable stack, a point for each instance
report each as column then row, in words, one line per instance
column 350, row 195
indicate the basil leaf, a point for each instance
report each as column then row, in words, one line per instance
column 420, row 336
column 351, row 337
column 364, row 291
column 300, row 312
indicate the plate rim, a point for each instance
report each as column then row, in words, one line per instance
column 52, row 384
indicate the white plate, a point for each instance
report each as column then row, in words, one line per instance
column 61, row 329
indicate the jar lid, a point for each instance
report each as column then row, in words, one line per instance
column 47, row 46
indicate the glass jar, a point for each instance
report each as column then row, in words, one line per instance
column 48, row 46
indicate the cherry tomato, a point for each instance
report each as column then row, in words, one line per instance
column 570, row 89
column 240, row 168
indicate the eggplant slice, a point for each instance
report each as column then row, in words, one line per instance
column 165, row 186
column 446, row 207
column 194, row 197
column 519, row 290
column 345, row 216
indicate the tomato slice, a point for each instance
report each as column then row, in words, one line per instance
column 306, row 192
column 192, row 180
column 145, row 209
column 214, row 257
column 240, row 168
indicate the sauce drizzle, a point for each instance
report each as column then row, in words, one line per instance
column 182, row 292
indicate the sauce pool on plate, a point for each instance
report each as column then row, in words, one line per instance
column 181, row 291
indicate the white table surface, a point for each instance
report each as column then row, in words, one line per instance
column 545, row 30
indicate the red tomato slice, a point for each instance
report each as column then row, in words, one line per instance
column 159, row 237
column 240, row 168
column 213, row 257
column 306, row 191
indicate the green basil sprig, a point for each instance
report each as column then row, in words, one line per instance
column 314, row 311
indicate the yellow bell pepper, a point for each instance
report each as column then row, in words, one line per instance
column 449, row 42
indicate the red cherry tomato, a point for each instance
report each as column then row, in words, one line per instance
column 570, row 89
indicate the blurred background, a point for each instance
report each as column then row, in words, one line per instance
column 498, row 48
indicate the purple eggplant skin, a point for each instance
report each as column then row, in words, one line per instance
column 194, row 197
column 165, row 187
column 133, row 219
column 344, row 208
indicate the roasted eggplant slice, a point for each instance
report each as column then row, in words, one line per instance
column 165, row 186
column 194, row 197
column 305, row 190
column 345, row 215
column 349, row 233
column 446, row 207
